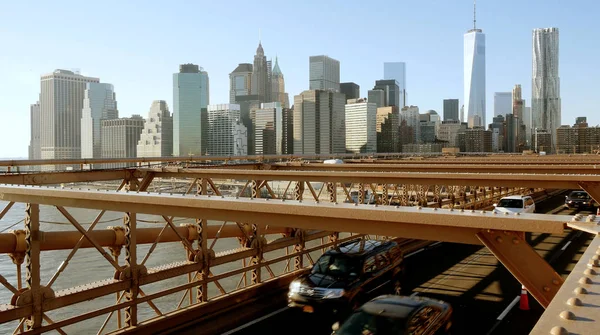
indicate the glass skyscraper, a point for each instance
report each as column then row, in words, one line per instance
column 324, row 73
column 190, row 99
column 503, row 103
column 397, row 71
column 99, row 104
column 474, row 77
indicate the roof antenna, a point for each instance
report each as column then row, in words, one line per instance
column 474, row 14
column 259, row 40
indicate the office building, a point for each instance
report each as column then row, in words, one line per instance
column 391, row 92
column 451, row 110
column 260, row 76
column 61, row 104
column 120, row 138
column 278, row 93
column 448, row 132
column 497, row 128
column 319, row 122
column 410, row 115
column 376, row 96
column 580, row 120
column 240, row 81
column 397, row 71
column 190, row 98
column 99, row 104
column 474, row 76
column 503, row 103
column 228, row 136
column 156, row 139
column 351, row 90
column 248, row 106
column 288, row 131
column 545, row 95
column 324, row 73
column 361, row 126
column 542, row 140
column 478, row 140
column 268, row 129
column 388, row 121
column 34, row 142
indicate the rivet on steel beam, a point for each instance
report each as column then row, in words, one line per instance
column 356, row 204
column 546, row 289
column 580, row 290
column 435, row 209
column 397, row 207
column 299, row 201
column 515, row 240
column 126, row 191
column 499, row 239
column 567, row 315
column 594, row 262
column 555, row 282
column 598, row 252
column 574, row 302
column 222, row 197
column 585, row 280
column 558, row 331
column 462, row 210
column 195, row 195
column 239, row 197
column 590, row 272
column 596, row 257
column 483, row 211
column 335, row 203
column 282, row 199
column 517, row 213
column 419, row 207
column 452, row 209
column 505, row 213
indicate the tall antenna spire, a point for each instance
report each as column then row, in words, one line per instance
column 259, row 40
column 474, row 14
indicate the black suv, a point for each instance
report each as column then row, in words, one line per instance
column 579, row 199
column 344, row 278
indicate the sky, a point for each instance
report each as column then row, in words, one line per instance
column 138, row 45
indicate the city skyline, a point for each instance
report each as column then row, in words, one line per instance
column 138, row 86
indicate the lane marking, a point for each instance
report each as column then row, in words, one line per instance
column 253, row 322
column 508, row 308
column 434, row 244
column 414, row 294
column 565, row 246
column 414, row 253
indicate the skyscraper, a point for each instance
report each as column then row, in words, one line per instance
column 190, row 98
column 451, row 110
column 388, row 121
column 319, row 122
column 120, row 138
column 287, row 131
column 99, row 104
column 351, row 90
column 545, row 95
column 61, row 103
column 240, row 82
column 474, row 75
column 391, row 92
column 227, row 134
column 324, row 73
column 156, row 139
column 34, row 144
column 260, row 76
column 397, row 71
column 361, row 127
column 278, row 93
column 503, row 103
column 268, row 129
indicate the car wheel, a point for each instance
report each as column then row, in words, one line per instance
column 397, row 287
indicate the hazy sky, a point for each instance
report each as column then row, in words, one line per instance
column 137, row 45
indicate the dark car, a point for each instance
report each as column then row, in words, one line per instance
column 345, row 277
column 392, row 314
column 579, row 199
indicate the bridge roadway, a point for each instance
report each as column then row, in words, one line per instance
column 482, row 292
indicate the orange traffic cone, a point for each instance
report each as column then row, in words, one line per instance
column 524, row 300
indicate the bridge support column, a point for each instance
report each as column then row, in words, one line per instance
column 524, row 263
column 258, row 242
column 332, row 191
column 202, row 290
column 32, row 264
column 361, row 193
column 130, row 223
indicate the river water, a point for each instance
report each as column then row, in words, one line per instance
column 88, row 265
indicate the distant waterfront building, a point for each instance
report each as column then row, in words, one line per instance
column 451, row 110
column 527, row 122
column 497, row 128
column 474, row 76
column 34, row 143
column 410, row 114
column 156, row 139
column 319, row 122
column 448, row 132
column 462, row 114
column 240, row 81
column 288, row 131
column 268, row 129
column 361, row 126
column 260, row 76
column 397, row 71
column 388, row 122
column 324, row 73
column 99, row 104
column 351, row 90
column 545, row 95
column 391, row 92
column 503, row 103
column 228, row 136
column 190, row 98
column 61, row 103
column 120, row 138
column 478, row 140
column 278, row 93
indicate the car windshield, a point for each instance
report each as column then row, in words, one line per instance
column 510, row 203
column 361, row 323
column 336, row 266
column 578, row 195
